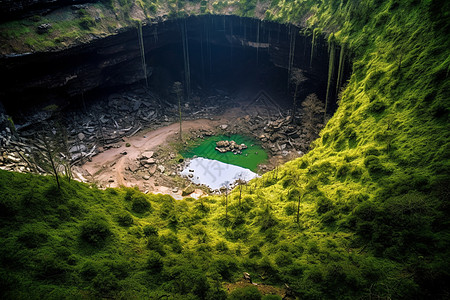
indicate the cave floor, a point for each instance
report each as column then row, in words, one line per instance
column 128, row 164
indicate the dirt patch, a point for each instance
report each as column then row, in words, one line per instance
column 263, row 288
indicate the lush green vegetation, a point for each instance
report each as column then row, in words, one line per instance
column 371, row 198
column 250, row 157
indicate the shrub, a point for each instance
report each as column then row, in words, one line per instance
column 105, row 283
column 222, row 246
column 373, row 164
column 267, row 219
column 150, row 230
column 119, row 268
column 140, row 204
column 240, row 232
column 254, row 252
column 225, row 266
column 129, row 194
column 153, row 243
column 293, row 194
column 342, row 171
column 125, row 219
column 377, row 106
column 89, row 270
column 172, row 241
column 95, row 231
column 271, row 297
column 329, row 217
column 324, row 205
column 290, row 209
column 246, row 293
column 49, row 266
column 87, row 22
column 154, row 262
column 32, row 236
column 283, row 259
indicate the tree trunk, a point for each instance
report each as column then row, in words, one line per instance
column 141, row 46
column 330, row 76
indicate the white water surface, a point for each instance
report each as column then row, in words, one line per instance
column 215, row 174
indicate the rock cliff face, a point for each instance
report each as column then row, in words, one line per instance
column 10, row 9
column 116, row 60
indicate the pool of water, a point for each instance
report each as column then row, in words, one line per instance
column 249, row 159
column 215, row 174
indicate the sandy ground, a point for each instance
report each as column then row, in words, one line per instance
column 110, row 167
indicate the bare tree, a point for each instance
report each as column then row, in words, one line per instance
column 240, row 183
column 297, row 78
column 52, row 149
column 312, row 110
column 224, row 188
column 178, row 89
column 46, row 157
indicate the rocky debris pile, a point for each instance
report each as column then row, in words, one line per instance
column 278, row 134
column 230, row 146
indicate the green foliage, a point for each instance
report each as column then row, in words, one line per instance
column 271, row 297
column 246, row 293
column 125, row 219
column 154, row 262
column 225, row 266
column 150, row 231
column 374, row 214
column 33, row 236
column 373, row 164
column 95, row 230
column 140, row 204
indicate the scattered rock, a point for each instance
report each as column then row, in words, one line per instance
column 161, row 168
column 149, row 161
column 223, row 126
column 43, row 28
column 152, row 170
column 187, row 191
column 132, row 167
column 81, row 136
column 78, row 6
column 147, row 154
column 77, row 148
column 226, row 146
column 146, row 177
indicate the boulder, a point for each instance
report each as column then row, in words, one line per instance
column 81, row 136
column 187, row 191
column 147, row 154
column 132, row 167
column 43, row 28
column 226, row 146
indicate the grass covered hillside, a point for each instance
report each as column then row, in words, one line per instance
column 364, row 215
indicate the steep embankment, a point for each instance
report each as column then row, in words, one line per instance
column 365, row 214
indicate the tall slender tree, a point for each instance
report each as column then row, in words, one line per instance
column 178, row 89
column 297, row 78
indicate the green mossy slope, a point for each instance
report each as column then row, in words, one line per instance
column 374, row 212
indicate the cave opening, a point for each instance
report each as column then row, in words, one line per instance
column 239, row 76
column 239, row 57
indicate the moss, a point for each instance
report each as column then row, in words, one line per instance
column 373, row 213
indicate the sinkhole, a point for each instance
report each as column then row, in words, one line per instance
column 275, row 84
column 239, row 57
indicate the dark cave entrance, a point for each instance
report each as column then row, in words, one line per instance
column 239, row 57
column 229, row 55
